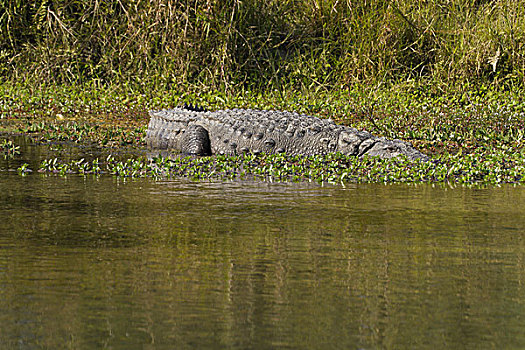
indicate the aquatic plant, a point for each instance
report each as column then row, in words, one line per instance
column 86, row 132
column 333, row 168
column 9, row 149
column 24, row 169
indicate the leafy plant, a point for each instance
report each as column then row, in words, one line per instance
column 9, row 149
column 23, row 169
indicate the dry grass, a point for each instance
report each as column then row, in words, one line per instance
column 312, row 44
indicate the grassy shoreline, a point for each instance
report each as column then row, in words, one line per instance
column 328, row 44
column 465, row 119
column 472, row 136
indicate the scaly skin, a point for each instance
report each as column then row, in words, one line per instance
column 193, row 131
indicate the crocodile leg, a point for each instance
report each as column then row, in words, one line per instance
column 196, row 141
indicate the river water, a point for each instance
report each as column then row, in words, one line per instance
column 102, row 262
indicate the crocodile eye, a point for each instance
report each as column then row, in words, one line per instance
column 346, row 138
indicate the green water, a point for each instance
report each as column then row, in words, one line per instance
column 92, row 263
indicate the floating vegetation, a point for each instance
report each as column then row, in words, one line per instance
column 9, row 149
column 24, row 169
column 333, row 168
column 85, row 132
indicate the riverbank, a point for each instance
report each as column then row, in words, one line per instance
column 472, row 136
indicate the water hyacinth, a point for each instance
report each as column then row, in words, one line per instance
column 333, row 168
column 9, row 149
column 82, row 132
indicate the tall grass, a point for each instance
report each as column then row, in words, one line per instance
column 312, row 44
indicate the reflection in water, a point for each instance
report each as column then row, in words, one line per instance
column 106, row 263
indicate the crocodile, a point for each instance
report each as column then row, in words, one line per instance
column 195, row 131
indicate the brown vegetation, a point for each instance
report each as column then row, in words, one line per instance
column 302, row 43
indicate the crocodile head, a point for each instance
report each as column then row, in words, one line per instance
column 349, row 140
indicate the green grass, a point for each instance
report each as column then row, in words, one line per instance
column 303, row 44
